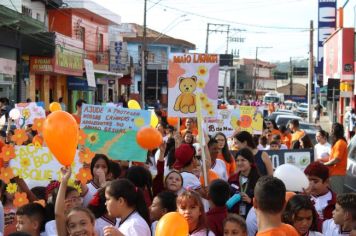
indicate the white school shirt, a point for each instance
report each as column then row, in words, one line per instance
column 134, row 225
column 190, row 181
column 251, row 222
column 314, row 233
column 102, row 222
column 321, row 149
column 51, row 228
column 92, row 189
column 321, row 202
column 202, row 232
column 220, row 169
column 332, row 229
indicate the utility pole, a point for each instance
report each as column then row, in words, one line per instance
column 310, row 73
column 254, row 82
column 227, row 39
column 143, row 57
column 207, row 39
column 291, row 77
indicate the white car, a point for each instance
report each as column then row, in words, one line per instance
column 302, row 110
column 284, row 119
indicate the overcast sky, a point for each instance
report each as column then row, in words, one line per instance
column 279, row 24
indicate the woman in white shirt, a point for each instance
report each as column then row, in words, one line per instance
column 125, row 201
column 322, row 148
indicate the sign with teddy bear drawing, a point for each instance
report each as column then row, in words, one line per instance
column 192, row 77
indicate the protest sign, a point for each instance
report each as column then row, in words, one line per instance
column 112, row 131
column 192, row 77
column 243, row 118
column 300, row 157
column 37, row 165
column 29, row 111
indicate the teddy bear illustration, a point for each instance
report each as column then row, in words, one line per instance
column 185, row 102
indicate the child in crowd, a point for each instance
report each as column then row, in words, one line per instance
column 323, row 198
column 343, row 216
column 286, row 136
column 162, row 204
column 224, row 153
column 190, row 206
column 98, row 208
column 245, row 180
column 31, row 218
column 301, row 214
column 174, row 182
column 80, row 221
column 274, row 145
column 269, row 202
column 277, row 138
column 219, row 193
column 100, row 169
column 263, row 143
column 125, row 201
column 141, row 178
column 217, row 165
column 234, row 225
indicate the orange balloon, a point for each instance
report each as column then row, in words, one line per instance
column 55, row 106
column 60, row 132
column 172, row 120
column 172, row 224
column 149, row 138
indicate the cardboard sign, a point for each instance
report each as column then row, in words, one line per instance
column 37, row 165
column 192, row 77
column 112, row 131
column 29, row 111
column 244, row 118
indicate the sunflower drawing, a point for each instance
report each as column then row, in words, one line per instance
column 93, row 138
column 11, row 188
column 25, row 162
column 201, row 83
column 202, row 71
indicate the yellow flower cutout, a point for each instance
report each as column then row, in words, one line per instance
column 203, row 98
column 11, row 188
column 201, row 83
column 26, row 113
column 202, row 71
column 211, row 112
column 139, row 122
column 72, row 183
column 93, row 138
column 25, row 162
column 208, row 106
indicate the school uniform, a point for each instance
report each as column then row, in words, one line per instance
column 134, row 225
column 51, row 228
column 332, row 229
column 102, row 222
column 215, row 218
column 92, row 189
column 314, row 233
column 190, row 181
column 251, row 222
column 220, row 168
column 324, row 206
column 202, row 232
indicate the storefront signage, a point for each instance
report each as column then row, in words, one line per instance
column 41, row 64
column 7, row 66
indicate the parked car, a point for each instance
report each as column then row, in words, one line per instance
column 283, row 119
column 285, row 111
column 290, row 105
column 302, row 110
column 274, row 115
column 350, row 178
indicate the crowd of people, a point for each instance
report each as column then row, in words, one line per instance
column 239, row 196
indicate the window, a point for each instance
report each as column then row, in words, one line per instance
column 38, row 16
column 101, row 43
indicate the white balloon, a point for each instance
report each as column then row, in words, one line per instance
column 15, row 114
column 293, row 178
column 2, row 120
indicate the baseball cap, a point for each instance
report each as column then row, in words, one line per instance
column 184, row 154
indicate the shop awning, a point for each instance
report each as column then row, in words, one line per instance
column 125, row 80
column 102, row 74
column 78, row 84
column 20, row 22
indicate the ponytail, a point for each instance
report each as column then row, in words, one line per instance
column 133, row 196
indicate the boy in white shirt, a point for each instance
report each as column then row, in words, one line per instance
column 343, row 215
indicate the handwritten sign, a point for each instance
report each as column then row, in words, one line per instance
column 37, row 165
column 29, row 111
column 113, row 119
column 192, row 77
column 112, row 131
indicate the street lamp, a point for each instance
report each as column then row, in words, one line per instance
column 254, row 83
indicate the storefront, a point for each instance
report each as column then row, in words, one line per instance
column 48, row 76
column 107, row 86
column 8, row 77
column 78, row 89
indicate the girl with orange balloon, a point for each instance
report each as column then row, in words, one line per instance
column 190, row 206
